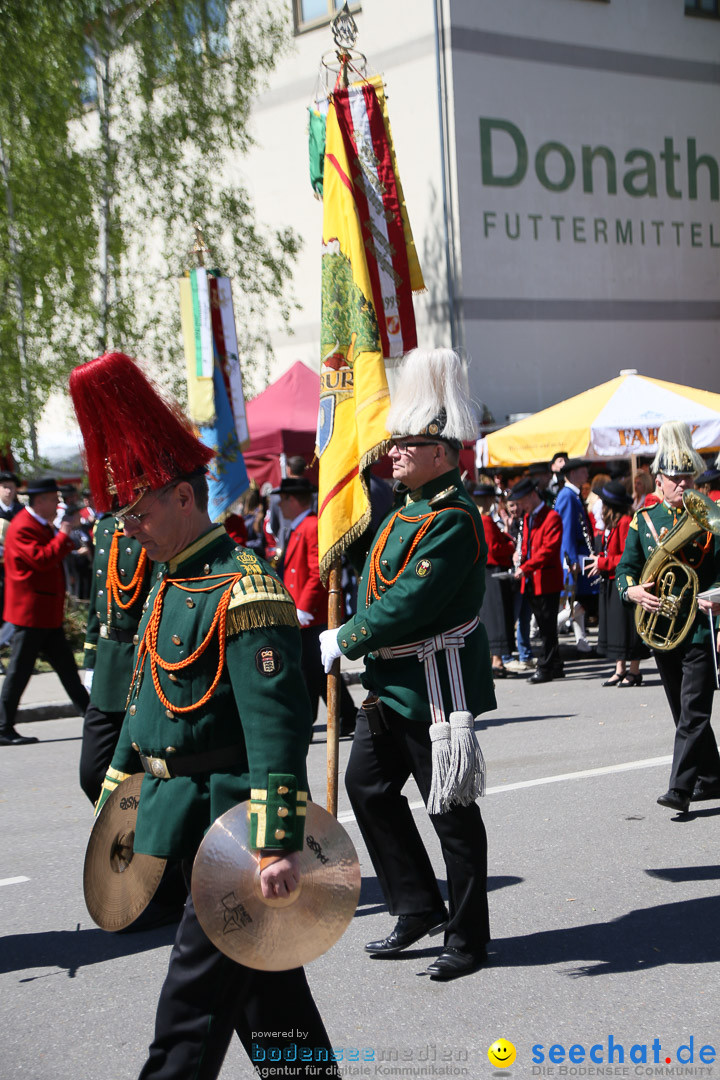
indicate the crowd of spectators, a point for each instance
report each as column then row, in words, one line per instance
column 596, row 507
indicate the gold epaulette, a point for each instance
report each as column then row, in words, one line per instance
column 442, row 495
column 258, row 599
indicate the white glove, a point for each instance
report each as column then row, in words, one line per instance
column 329, row 648
column 87, row 678
column 304, row 617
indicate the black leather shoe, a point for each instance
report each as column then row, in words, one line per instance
column 675, row 800
column 701, row 792
column 11, row 737
column 558, row 673
column 408, row 930
column 452, row 964
column 541, row 676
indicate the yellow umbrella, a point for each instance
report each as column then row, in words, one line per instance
column 619, row 418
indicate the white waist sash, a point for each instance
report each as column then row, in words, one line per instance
column 450, row 642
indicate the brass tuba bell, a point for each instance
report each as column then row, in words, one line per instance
column 676, row 583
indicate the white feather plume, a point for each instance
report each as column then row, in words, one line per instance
column 429, row 381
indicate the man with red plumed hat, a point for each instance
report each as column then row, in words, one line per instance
column 216, row 709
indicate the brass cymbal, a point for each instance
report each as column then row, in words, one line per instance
column 284, row 932
column 118, row 882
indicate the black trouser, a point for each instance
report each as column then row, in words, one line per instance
column 206, row 996
column 688, row 678
column 378, row 768
column 316, row 679
column 101, row 731
column 545, row 610
column 27, row 644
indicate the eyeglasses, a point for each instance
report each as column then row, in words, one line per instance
column 404, row 447
column 135, row 520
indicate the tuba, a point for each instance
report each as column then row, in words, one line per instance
column 676, row 583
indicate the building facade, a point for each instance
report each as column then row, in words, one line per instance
column 561, row 167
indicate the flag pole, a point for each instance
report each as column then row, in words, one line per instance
column 335, row 621
column 342, row 24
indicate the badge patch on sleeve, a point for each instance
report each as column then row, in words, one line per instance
column 423, row 567
column 268, row 661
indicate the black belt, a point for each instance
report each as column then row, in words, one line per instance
column 189, row 764
column 127, row 637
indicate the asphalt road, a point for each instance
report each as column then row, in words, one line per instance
column 604, row 911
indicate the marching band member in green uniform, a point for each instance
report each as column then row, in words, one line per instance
column 686, row 671
column 217, row 714
column 427, row 662
column 120, row 584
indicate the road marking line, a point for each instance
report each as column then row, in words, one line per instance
column 604, row 770
column 13, row 880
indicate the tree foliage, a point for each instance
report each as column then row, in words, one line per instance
column 148, row 105
column 47, row 232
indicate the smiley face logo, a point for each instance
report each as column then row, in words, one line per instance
column 502, row 1053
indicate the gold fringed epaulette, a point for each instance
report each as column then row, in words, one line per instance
column 442, row 495
column 260, row 600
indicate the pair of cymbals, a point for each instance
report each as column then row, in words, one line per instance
column 268, row 934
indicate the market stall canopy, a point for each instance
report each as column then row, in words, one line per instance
column 617, row 419
column 282, row 420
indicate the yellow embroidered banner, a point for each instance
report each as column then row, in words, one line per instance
column 369, row 271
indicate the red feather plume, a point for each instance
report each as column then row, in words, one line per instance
column 134, row 438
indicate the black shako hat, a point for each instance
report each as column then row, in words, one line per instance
column 522, row 488
column 481, row 490
column 41, row 487
column 9, row 478
column 616, row 495
column 293, row 485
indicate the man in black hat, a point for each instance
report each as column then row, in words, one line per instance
column 540, row 572
column 541, row 476
column 300, row 570
column 35, row 603
column 557, row 464
column 708, row 483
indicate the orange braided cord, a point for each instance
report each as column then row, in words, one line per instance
column 376, row 573
column 115, row 586
column 148, row 645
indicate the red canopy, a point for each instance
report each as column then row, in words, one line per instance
column 282, row 420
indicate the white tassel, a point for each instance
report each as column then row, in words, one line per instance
column 466, row 776
column 440, row 739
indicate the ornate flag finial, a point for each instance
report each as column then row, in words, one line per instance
column 344, row 28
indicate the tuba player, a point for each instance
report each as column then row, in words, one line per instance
column 687, row 669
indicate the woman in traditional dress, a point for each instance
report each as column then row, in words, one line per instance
column 617, row 636
column 497, row 607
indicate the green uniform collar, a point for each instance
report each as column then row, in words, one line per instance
column 448, row 479
column 217, row 532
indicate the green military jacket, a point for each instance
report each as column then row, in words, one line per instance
column 109, row 645
column 425, row 574
column 702, row 554
column 259, row 709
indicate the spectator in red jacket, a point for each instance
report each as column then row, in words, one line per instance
column 35, row 603
column 300, row 569
column 617, row 636
column 541, row 574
